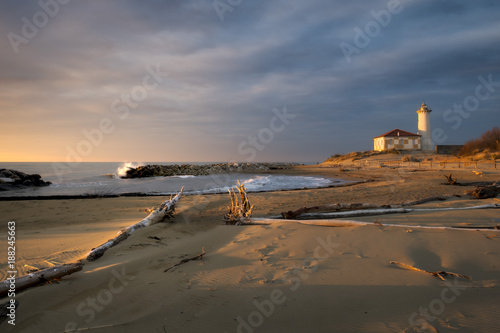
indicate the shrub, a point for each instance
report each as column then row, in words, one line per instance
column 488, row 140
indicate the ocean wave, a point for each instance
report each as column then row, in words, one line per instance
column 272, row 183
column 283, row 182
column 122, row 169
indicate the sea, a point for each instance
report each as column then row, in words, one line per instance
column 103, row 178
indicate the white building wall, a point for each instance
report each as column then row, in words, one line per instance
column 400, row 142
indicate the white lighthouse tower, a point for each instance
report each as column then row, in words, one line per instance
column 424, row 127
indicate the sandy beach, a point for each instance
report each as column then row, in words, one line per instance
column 285, row 277
column 249, row 166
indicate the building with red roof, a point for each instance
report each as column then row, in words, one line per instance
column 397, row 139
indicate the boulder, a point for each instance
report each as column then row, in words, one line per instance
column 13, row 179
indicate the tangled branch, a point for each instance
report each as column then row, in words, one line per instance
column 240, row 209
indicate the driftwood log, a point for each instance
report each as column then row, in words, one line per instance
column 165, row 210
column 352, row 223
column 333, row 207
column 356, row 213
column 484, row 192
column 362, row 209
column 40, row 277
column 383, row 211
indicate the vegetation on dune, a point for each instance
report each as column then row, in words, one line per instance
column 357, row 155
column 489, row 140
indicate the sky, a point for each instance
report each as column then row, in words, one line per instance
column 240, row 80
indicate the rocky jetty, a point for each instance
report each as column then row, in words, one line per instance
column 156, row 170
column 13, row 179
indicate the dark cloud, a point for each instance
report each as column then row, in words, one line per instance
column 225, row 77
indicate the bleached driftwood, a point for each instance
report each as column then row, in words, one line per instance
column 363, row 209
column 240, row 210
column 357, row 213
column 353, row 223
column 156, row 216
column 440, row 274
column 36, row 278
column 333, row 207
column 383, row 211
column 396, row 208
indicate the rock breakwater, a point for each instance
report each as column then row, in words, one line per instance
column 13, row 179
column 155, row 170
